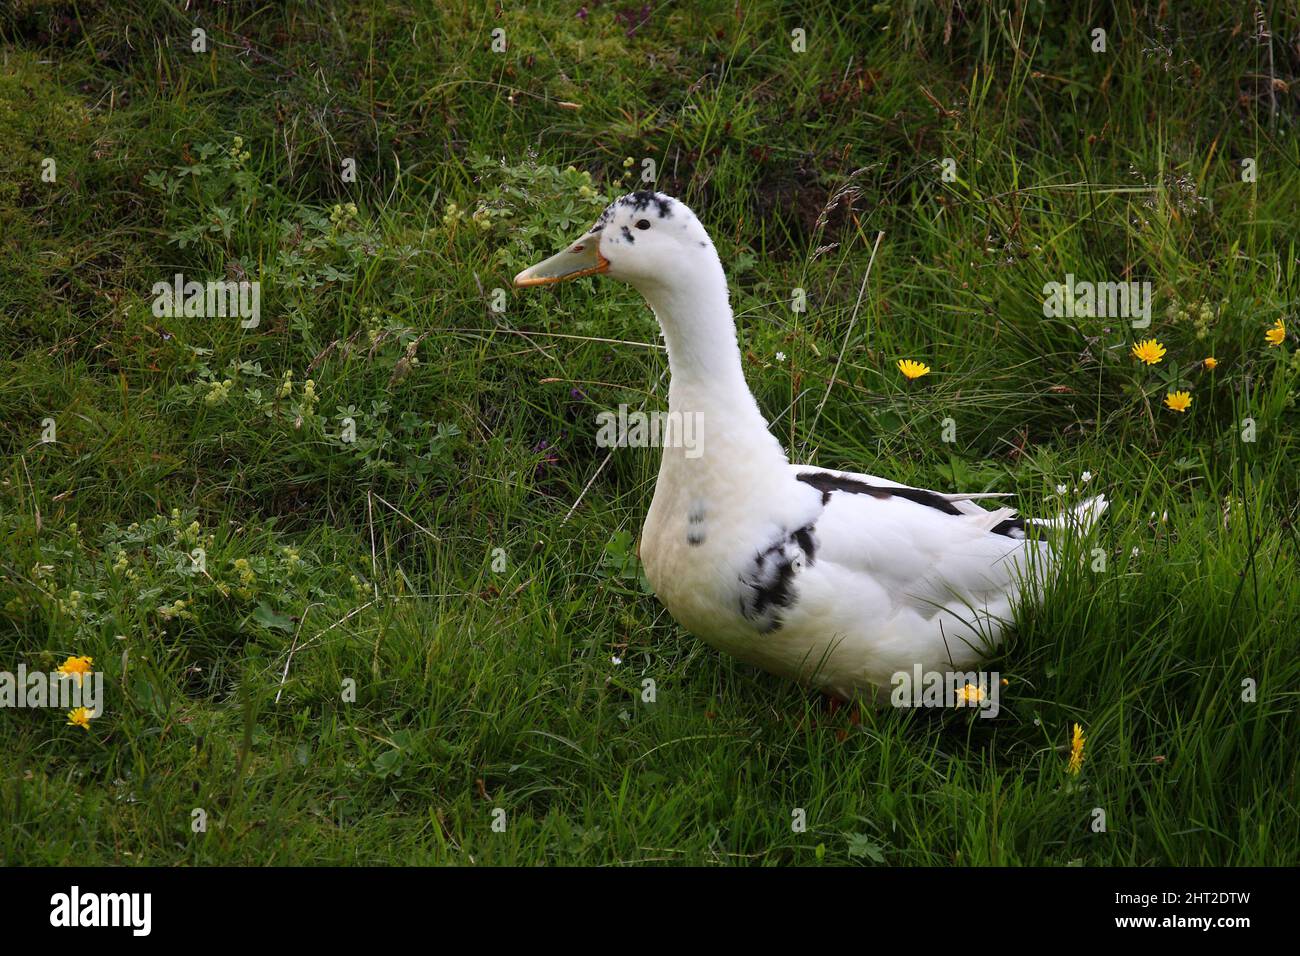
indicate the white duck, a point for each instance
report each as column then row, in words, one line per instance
column 835, row 579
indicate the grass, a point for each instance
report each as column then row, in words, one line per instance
column 385, row 646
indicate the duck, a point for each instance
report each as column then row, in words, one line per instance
column 838, row 580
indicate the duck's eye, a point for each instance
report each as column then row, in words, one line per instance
column 643, row 224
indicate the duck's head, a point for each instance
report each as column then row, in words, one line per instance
column 646, row 239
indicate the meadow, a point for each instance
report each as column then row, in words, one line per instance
column 362, row 585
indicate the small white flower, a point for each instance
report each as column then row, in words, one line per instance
column 1134, row 552
column 780, row 356
column 1086, row 477
column 1061, row 489
column 616, row 660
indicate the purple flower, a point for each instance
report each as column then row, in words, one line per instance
column 548, row 458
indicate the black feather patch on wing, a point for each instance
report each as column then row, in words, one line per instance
column 827, row 484
column 767, row 587
column 804, row 538
column 1011, row 528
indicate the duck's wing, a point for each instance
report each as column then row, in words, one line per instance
column 926, row 550
column 1002, row 521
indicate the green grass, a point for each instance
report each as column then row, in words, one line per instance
column 485, row 679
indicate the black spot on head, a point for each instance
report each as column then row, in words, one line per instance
column 640, row 201
column 695, row 538
column 637, row 202
column 703, row 244
column 627, row 234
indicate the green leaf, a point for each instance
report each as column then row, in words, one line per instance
column 861, row 846
column 268, row 618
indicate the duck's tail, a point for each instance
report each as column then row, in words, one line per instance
column 1078, row 519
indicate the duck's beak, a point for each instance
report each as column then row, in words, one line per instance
column 583, row 258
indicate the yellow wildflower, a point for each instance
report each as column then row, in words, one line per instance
column 80, row 717
column 1277, row 334
column 1211, row 363
column 1076, row 750
column 969, row 694
column 77, row 667
column 1149, row 351
column 913, row 369
column 1178, row 401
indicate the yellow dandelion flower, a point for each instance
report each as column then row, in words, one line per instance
column 1211, row 363
column 1277, row 334
column 1076, row 750
column 1149, row 351
column 913, row 369
column 77, row 667
column 80, row 717
column 969, row 694
column 1178, row 401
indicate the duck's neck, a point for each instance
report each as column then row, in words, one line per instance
column 706, row 374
